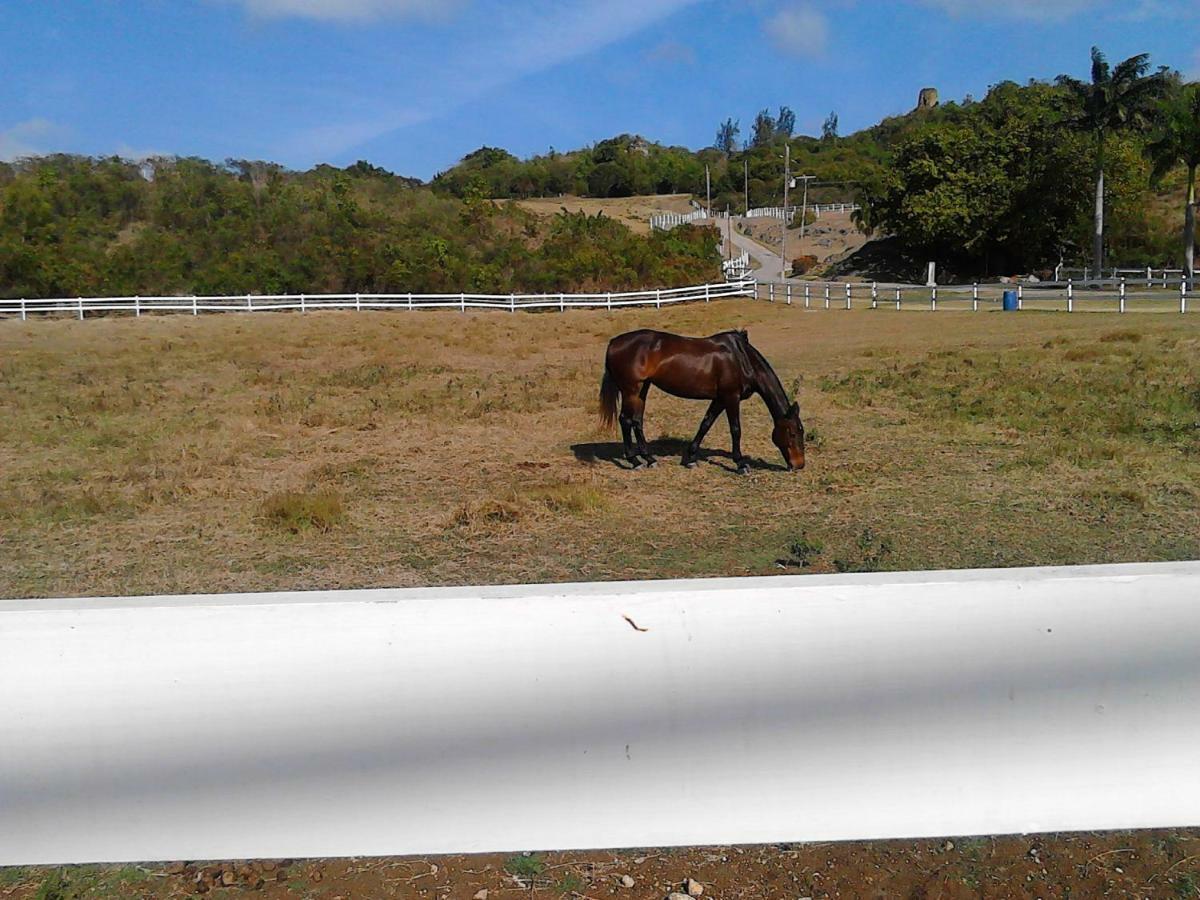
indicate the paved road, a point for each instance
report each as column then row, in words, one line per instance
column 771, row 268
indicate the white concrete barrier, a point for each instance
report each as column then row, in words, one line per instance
column 599, row 715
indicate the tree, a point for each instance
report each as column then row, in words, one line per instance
column 727, row 136
column 764, row 129
column 1117, row 97
column 785, row 124
column 829, row 131
column 1177, row 141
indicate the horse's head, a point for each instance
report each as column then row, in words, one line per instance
column 789, row 437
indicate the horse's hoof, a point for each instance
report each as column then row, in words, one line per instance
column 743, row 470
column 651, row 463
column 689, row 464
column 634, row 465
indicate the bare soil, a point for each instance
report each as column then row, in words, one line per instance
column 632, row 211
column 335, row 450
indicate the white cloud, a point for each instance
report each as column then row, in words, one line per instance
column 1035, row 10
column 29, row 138
column 348, row 10
column 518, row 41
column 800, row 29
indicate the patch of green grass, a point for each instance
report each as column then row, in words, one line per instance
column 14, row 875
column 802, row 552
column 526, row 867
column 569, row 884
column 300, row 511
column 1186, row 886
column 868, row 554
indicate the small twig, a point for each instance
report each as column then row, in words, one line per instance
column 1174, row 867
column 635, row 625
column 1106, row 853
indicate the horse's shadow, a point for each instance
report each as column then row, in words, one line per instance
column 667, row 449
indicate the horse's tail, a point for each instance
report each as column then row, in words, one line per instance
column 608, row 399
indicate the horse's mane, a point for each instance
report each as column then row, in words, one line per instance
column 770, row 387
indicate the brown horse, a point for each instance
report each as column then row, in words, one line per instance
column 723, row 368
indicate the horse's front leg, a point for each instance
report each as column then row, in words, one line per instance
column 733, row 411
column 692, row 451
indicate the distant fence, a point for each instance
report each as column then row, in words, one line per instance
column 778, row 212
column 737, row 267
column 1148, row 276
column 1048, row 296
column 80, row 307
column 668, row 220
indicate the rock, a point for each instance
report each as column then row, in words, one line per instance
column 627, row 881
column 481, row 895
column 949, row 845
column 175, row 868
column 315, row 875
column 269, row 865
column 693, row 887
column 228, row 878
column 675, row 895
column 927, row 99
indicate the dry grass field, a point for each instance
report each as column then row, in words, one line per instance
column 229, row 452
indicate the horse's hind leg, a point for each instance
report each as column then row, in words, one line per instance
column 643, row 447
column 693, row 449
column 629, row 402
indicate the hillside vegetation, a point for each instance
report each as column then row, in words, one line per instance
column 79, row 226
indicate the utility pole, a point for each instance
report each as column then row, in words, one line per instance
column 804, row 205
column 707, row 191
column 746, row 179
column 787, row 177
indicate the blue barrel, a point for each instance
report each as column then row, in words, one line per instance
column 1010, row 300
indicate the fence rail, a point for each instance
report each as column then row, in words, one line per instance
column 1048, row 296
column 778, row 212
column 885, row 705
column 80, row 307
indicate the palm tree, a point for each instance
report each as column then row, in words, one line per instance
column 1117, row 97
column 1176, row 142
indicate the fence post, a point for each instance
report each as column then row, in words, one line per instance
column 847, row 295
column 80, row 299
column 706, row 293
column 1020, row 296
column 562, row 303
column 789, row 293
column 512, row 302
column 975, row 297
column 771, row 292
column 195, row 310
column 1150, row 276
column 22, row 309
column 1183, row 287
column 249, row 303
column 827, row 296
column 462, row 302
column 410, row 302
column 357, row 302
column 1070, row 296
column 137, row 306
column 874, row 295
column 302, row 306
column 933, row 299
column 1121, row 308
column 897, row 298
column 658, row 298
column 807, row 291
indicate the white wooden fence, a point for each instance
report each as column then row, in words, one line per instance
column 778, row 212
column 1148, row 276
column 737, row 268
column 80, row 307
column 547, row 717
column 1046, row 296
column 668, row 220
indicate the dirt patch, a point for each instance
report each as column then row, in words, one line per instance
column 1156, row 864
column 634, row 212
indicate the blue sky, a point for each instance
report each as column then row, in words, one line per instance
column 413, row 85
